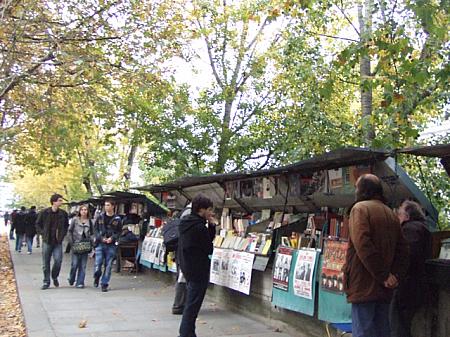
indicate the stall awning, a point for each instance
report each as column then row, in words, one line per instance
column 122, row 196
column 440, row 151
column 334, row 159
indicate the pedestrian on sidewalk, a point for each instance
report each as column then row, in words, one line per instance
column 53, row 223
column 107, row 230
column 377, row 259
column 30, row 230
column 12, row 217
column 6, row 218
column 411, row 293
column 20, row 224
column 196, row 233
column 81, row 228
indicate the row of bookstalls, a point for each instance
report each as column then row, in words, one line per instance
column 283, row 232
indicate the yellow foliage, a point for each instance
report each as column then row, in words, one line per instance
column 33, row 189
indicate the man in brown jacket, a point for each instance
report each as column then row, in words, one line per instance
column 377, row 258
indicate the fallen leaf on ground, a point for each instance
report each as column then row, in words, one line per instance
column 82, row 324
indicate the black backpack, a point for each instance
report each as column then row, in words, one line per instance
column 170, row 235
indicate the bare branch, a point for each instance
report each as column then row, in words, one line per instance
column 330, row 36
column 16, row 79
column 347, row 18
column 211, row 58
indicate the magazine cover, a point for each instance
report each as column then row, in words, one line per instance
column 304, row 272
column 333, row 261
column 282, row 268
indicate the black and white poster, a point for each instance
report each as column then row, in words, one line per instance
column 282, row 268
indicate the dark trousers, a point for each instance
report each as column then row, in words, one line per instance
column 180, row 297
column 196, row 291
column 370, row 319
column 401, row 315
column 47, row 252
column 19, row 241
column 30, row 243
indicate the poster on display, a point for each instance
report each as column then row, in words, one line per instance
column 282, row 268
column 153, row 250
column 232, row 269
column 333, row 261
column 303, row 274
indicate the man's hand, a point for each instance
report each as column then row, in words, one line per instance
column 108, row 240
column 391, row 282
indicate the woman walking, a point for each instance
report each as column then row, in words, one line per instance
column 81, row 232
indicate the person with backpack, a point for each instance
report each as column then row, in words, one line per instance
column 81, row 229
column 170, row 236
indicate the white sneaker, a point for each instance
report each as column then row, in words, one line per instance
column 29, row 253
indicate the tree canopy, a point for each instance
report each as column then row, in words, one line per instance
column 196, row 87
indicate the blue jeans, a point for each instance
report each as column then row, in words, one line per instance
column 19, row 241
column 370, row 319
column 196, row 291
column 47, row 252
column 30, row 243
column 104, row 254
column 79, row 262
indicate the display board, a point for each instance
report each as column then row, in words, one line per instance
column 333, row 306
column 153, row 251
column 232, row 269
column 287, row 298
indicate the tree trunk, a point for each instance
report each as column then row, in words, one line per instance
column 365, row 24
column 130, row 160
column 222, row 154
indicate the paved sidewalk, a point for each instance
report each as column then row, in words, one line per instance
column 135, row 306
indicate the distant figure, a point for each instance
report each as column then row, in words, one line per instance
column 81, row 228
column 12, row 217
column 107, row 230
column 53, row 223
column 196, row 233
column 6, row 218
column 30, row 230
column 376, row 259
column 20, row 224
column 410, row 294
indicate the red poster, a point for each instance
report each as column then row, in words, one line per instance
column 333, row 261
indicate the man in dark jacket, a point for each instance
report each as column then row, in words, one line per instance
column 53, row 223
column 377, row 258
column 30, row 230
column 410, row 294
column 196, row 233
column 107, row 230
column 19, row 226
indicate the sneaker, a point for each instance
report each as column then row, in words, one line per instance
column 56, row 282
column 96, row 279
column 80, row 286
column 45, row 286
column 29, row 253
column 104, row 288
